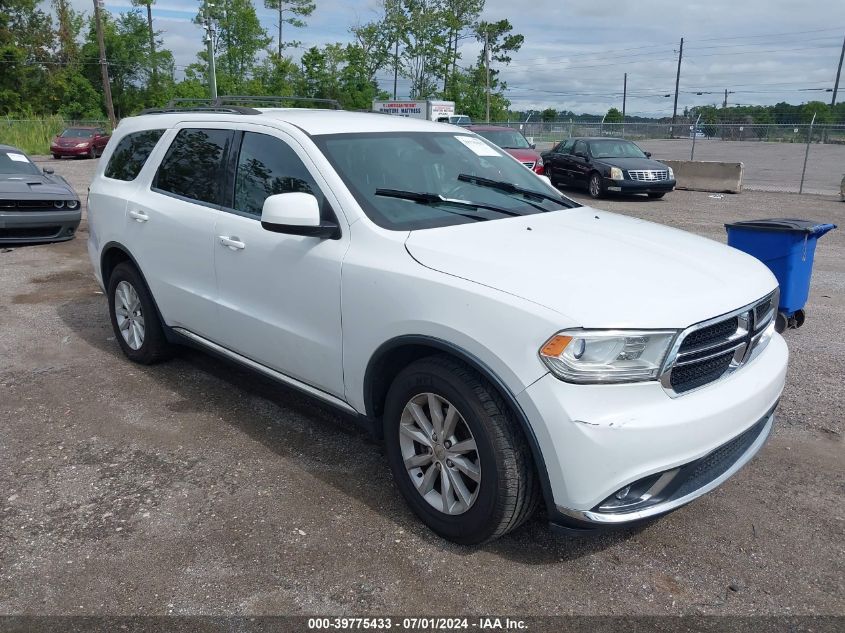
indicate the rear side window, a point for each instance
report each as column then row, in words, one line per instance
column 193, row 165
column 267, row 166
column 131, row 153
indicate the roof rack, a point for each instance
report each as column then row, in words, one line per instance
column 227, row 104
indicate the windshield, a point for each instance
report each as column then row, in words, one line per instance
column 506, row 139
column 76, row 132
column 14, row 162
column 423, row 162
column 615, row 149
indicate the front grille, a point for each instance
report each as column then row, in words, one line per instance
column 648, row 175
column 711, row 350
column 34, row 232
column 24, row 205
column 529, row 164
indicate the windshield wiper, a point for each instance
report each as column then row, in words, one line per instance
column 508, row 187
column 421, row 197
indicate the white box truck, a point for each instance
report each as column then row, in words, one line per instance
column 428, row 109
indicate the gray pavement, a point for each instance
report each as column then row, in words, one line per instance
column 195, row 487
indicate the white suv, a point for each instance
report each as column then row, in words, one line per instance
column 509, row 345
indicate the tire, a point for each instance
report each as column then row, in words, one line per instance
column 656, row 196
column 595, row 186
column 145, row 344
column 507, row 490
column 56, row 156
column 92, row 153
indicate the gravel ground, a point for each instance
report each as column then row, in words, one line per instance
column 194, row 487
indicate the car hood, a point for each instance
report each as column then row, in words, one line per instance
column 598, row 269
column 523, row 155
column 34, row 186
column 631, row 163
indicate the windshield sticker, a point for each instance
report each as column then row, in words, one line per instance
column 479, row 147
column 20, row 158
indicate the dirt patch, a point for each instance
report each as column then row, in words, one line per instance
column 59, row 287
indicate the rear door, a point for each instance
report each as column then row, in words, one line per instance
column 279, row 294
column 170, row 225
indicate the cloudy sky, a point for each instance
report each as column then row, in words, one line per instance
column 575, row 54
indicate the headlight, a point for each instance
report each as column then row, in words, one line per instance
column 671, row 174
column 603, row 356
column 72, row 204
column 82, row 144
column 616, row 174
column 540, row 162
column 58, row 203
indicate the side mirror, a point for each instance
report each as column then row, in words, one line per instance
column 648, row 154
column 48, row 171
column 533, row 146
column 296, row 213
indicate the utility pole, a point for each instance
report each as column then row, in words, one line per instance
column 725, row 102
column 838, row 72
column 104, row 67
column 624, row 95
column 487, row 73
column 395, row 66
column 209, row 41
column 677, row 81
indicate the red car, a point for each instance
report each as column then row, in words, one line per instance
column 80, row 141
column 513, row 142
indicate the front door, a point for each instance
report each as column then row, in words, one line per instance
column 279, row 295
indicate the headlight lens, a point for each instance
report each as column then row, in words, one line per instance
column 82, row 144
column 72, row 204
column 671, row 174
column 540, row 162
column 607, row 356
column 616, row 174
column 58, row 203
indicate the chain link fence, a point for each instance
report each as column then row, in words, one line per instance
column 773, row 155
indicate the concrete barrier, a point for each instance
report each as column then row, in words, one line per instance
column 705, row 175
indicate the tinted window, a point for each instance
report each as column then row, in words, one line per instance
column 566, row 147
column 131, row 153
column 267, row 166
column 75, row 132
column 193, row 165
column 613, row 148
column 580, row 146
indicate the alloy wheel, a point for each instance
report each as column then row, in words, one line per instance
column 129, row 315
column 595, row 186
column 440, row 453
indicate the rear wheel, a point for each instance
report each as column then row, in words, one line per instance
column 595, row 185
column 656, row 196
column 456, row 454
column 134, row 318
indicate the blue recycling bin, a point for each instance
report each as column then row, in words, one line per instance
column 787, row 247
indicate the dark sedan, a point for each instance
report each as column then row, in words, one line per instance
column 35, row 205
column 80, row 141
column 603, row 165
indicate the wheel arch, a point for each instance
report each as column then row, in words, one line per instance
column 393, row 355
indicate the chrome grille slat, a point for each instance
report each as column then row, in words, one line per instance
column 710, row 350
column 648, row 175
column 530, row 164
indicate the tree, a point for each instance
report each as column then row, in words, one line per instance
column 613, row 116
column 240, row 37
column 70, row 25
column 819, row 108
column 297, row 10
column 424, row 46
column 549, row 114
column 460, row 15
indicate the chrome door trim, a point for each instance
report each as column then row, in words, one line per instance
column 272, row 373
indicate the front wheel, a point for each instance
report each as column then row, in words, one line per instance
column 596, row 186
column 656, row 196
column 457, row 455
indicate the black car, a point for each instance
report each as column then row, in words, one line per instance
column 603, row 165
column 35, row 205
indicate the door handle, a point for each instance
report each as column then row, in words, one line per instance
column 138, row 216
column 232, row 243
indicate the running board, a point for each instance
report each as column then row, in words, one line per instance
column 271, row 373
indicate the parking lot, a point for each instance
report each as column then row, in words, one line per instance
column 194, row 487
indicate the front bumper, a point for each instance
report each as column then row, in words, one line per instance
column 598, row 439
column 639, row 186
column 38, row 226
column 70, row 151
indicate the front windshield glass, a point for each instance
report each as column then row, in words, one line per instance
column 423, row 162
column 507, row 139
column 77, row 133
column 615, row 149
column 14, row 162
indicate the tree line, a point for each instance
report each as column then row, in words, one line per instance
column 49, row 60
